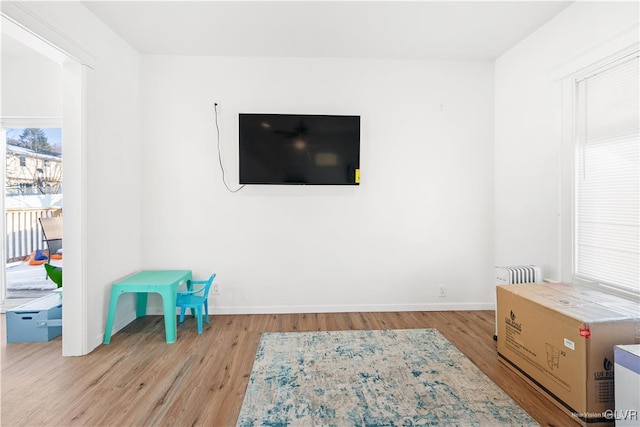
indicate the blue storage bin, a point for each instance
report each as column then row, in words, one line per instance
column 36, row 321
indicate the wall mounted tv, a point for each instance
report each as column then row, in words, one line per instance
column 299, row 149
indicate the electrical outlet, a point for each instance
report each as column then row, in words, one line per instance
column 215, row 288
column 442, row 290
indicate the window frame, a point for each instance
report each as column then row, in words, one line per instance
column 566, row 88
column 8, row 123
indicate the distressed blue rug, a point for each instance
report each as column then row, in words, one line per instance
column 412, row 377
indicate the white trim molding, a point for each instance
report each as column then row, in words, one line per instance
column 74, row 311
column 360, row 308
column 625, row 40
column 26, row 26
column 31, row 122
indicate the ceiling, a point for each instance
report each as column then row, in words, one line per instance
column 346, row 29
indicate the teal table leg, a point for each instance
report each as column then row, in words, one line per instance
column 141, row 304
column 113, row 302
column 169, row 305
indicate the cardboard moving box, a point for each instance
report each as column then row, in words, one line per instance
column 561, row 338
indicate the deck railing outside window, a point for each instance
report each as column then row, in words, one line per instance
column 23, row 231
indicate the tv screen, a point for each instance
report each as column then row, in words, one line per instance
column 299, row 149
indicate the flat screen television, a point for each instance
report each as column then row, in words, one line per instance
column 299, row 149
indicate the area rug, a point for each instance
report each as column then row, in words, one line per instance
column 412, row 377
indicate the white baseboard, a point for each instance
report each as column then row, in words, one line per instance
column 346, row 308
column 99, row 339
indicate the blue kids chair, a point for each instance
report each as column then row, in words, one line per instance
column 194, row 299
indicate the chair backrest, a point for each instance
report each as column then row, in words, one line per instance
column 206, row 287
column 54, row 273
column 52, row 227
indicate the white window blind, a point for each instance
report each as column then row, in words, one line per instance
column 608, row 176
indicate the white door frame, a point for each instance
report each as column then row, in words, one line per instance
column 76, row 65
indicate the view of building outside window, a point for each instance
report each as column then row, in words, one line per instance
column 33, row 190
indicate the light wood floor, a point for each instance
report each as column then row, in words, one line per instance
column 200, row 380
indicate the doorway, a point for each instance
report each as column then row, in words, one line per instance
column 33, row 191
column 32, row 92
column 70, row 105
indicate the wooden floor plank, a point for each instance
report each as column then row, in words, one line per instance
column 200, row 380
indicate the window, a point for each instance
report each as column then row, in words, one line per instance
column 32, row 173
column 607, row 176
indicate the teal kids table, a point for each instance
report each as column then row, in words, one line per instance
column 164, row 282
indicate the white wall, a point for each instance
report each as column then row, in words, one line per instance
column 528, row 165
column 422, row 216
column 110, row 191
column 31, row 86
